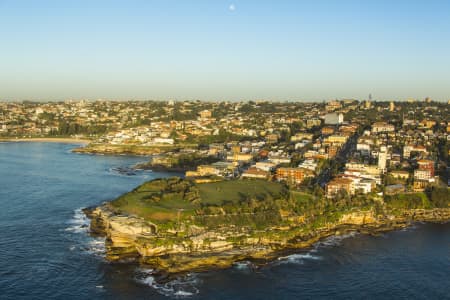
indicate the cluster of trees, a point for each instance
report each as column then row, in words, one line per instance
column 435, row 197
column 192, row 160
column 222, row 137
column 439, row 196
column 71, row 128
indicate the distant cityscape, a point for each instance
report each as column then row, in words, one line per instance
column 343, row 147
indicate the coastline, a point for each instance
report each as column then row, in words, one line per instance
column 109, row 149
column 128, row 239
column 48, row 140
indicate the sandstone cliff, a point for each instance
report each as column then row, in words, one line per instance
column 192, row 247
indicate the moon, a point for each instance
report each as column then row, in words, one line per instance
column 232, row 7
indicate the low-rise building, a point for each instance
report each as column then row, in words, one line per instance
column 399, row 174
column 382, row 127
column 338, row 184
column 256, row 173
column 334, row 118
column 293, row 175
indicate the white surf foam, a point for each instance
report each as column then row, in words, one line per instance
column 79, row 222
column 300, row 258
column 79, row 233
column 243, row 265
column 334, row 240
column 181, row 287
column 96, row 246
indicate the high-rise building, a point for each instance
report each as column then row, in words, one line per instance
column 334, row 119
column 391, row 106
column 382, row 158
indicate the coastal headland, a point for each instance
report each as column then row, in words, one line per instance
column 105, row 148
column 176, row 225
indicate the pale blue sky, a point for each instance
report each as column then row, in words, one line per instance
column 278, row 50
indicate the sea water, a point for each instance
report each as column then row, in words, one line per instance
column 47, row 253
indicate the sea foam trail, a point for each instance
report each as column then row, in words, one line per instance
column 181, row 287
column 297, row 258
column 300, row 258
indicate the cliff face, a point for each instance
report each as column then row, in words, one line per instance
column 121, row 149
column 192, row 247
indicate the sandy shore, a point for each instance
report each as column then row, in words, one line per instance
column 48, row 140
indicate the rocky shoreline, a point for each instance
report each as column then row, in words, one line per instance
column 109, row 149
column 130, row 238
column 161, row 168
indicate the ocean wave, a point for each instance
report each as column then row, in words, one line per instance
column 79, row 233
column 300, row 258
column 96, row 246
column 181, row 287
column 243, row 265
column 79, row 222
column 413, row 226
column 334, row 240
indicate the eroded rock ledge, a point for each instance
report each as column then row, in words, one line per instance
column 192, row 247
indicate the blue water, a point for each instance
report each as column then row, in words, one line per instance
column 46, row 253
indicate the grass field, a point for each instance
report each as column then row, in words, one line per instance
column 158, row 200
column 302, row 197
column 167, row 199
column 216, row 193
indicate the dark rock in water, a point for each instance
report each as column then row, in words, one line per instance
column 88, row 211
column 124, row 171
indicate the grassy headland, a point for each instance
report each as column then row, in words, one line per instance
column 178, row 225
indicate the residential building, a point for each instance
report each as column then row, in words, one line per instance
column 293, row 175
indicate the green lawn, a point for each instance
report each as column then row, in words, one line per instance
column 157, row 200
column 301, row 197
column 235, row 191
column 166, row 199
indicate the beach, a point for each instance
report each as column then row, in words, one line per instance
column 47, row 140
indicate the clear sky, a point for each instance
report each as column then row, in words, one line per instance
column 224, row 50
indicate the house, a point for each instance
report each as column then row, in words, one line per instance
column 272, row 138
column 301, row 136
column 205, row 114
column 265, row 165
column 216, row 169
column 313, row 122
column 382, row 127
column 399, row 174
column 327, row 130
column 240, row 157
column 336, row 139
column 407, row 149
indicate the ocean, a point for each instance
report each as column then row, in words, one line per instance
column 47, row 253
